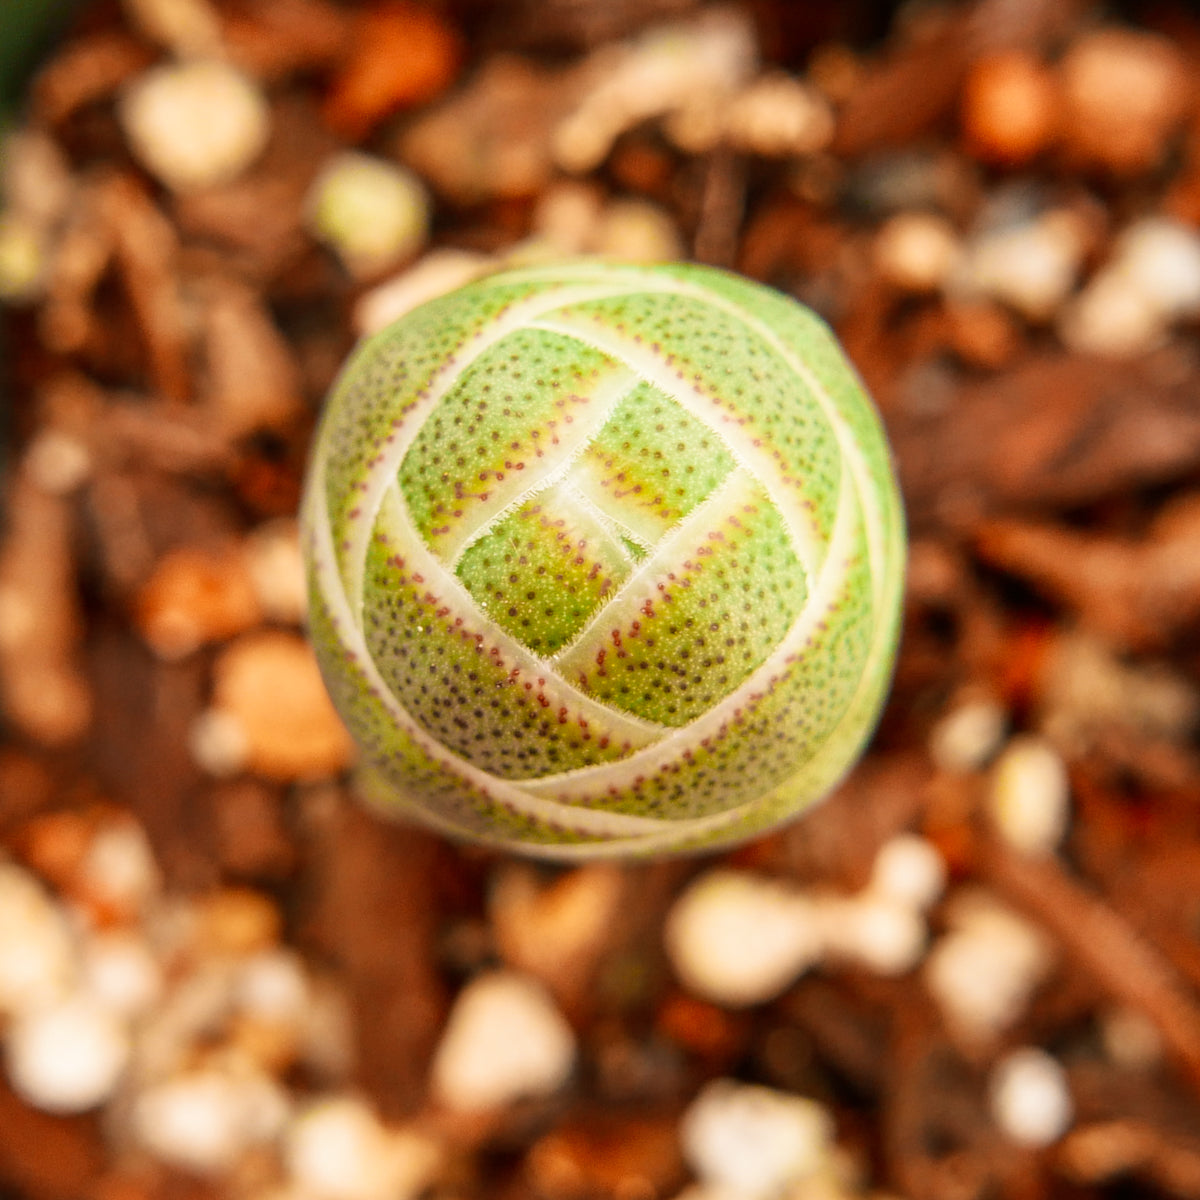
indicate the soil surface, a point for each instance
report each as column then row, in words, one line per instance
column 222, row 976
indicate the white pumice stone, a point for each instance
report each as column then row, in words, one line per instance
column 277, row 571
column 204, row 1120
column 225, row 116
column 909, row 871
column 917, row 251
column 337, row 1149
column 38, row 962
column 885, row 936
column 754, row 1142
column 1151, row 280
column 1030, row 799
column 738, row 939
column 566, row 215
column 434, row 274
column 57, row 462
column 666, row 70
column 273, row 985
column 1030, row 1097
column 1112, row 319
column 372, row 213
column 197, row 1003
column 218, row 743
column 777, row 115
column 1160, row 259
column 119, row 868
column 504, row 1039
column 1031, row 266
column 983, row 971
column 968, row 736
column 636, row 231
column 67, row 1057
column 121, row 972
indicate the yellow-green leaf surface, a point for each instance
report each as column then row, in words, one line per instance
column 604, row 559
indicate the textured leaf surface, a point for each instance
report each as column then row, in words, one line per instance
column 604, row 559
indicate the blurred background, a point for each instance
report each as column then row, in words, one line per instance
column 974, row 971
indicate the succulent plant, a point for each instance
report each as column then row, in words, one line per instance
column 604, row 559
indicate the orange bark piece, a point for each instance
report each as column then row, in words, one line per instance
column 1010, row 108
column 703, row 1028
column 269, row 683
column 196, row 596
column 403, row 55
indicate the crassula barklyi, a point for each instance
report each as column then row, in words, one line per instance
column 604, row 559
